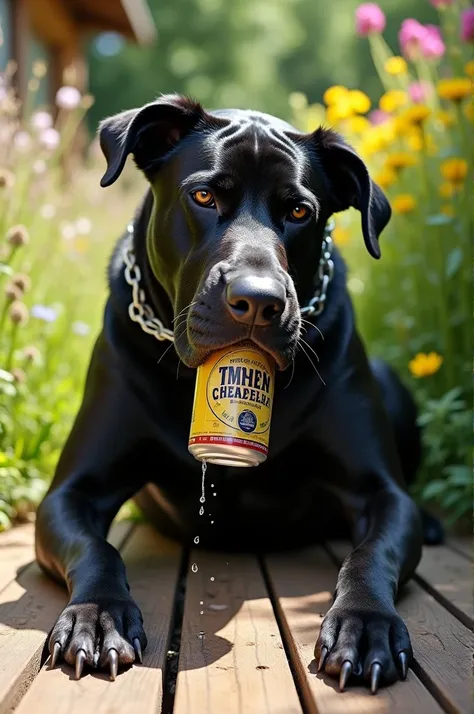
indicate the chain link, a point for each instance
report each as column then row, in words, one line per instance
column 140, row 312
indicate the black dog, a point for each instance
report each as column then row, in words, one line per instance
column 228, row 243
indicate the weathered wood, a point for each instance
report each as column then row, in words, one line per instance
column 448, row 577
column 461, row 545
column 239, row 664
column 16, row 547
column 29, row 606
column 303, row 584
column 152, row 566
column 442, row 645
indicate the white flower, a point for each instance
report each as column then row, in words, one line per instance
column 39, row 167
column 47, row 211
column 22, row 140
column 80, row 328
column 42, row 312
column 68, row 231
column 83, row 226
column 41, row 120
column 50, row 139
column 68, row 97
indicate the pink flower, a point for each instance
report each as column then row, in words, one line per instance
column 68, row 97
column 432, row 45
column 378, row 117
column 420, row 91
column 417, row 40
column 369, row 18
column 49, row 138
column 467, row 25
column 441, row 3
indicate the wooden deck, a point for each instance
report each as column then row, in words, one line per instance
column 245, row 637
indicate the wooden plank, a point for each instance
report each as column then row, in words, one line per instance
column 238, row 665
column 153, row 565
column 303, row 584
column 448, row 577
column 461, row 545
column 29, row 606
column 441, row 644
column 16, row 551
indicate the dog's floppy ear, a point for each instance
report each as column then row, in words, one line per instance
column 148, row 133
column 351, row 185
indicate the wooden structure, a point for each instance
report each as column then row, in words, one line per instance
column 58, row 30
column 236, row 637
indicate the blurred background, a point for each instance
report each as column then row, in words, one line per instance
column 395, row 78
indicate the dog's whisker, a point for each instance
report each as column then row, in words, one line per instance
column 312, row 363
column 309, row 346
column 184, row 309
column 166, row 350
column 311, row 324
column 292, row 373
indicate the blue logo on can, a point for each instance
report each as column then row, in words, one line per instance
column 247, row 421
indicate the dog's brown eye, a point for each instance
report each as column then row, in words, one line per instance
column 203, row 198
column 299, row 212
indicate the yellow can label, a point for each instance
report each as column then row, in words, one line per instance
column 233, row 399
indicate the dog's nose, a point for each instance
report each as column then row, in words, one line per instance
column 253, row 299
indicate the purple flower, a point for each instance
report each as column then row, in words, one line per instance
column 417, row 40
column 420, row 91
column 369, row 18
column 378, row 117
column 42, row 312
column 467, row 25
column 68, row 97
column 50, row 139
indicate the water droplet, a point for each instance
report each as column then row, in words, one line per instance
column 202, row 612
column 212, row 579
column 201, row 511
column 202, row 499
column 194, row 568
column 201, row 635
column 218, row 608
column 214, row 494
column 212, row 522
column 201, row 602
column 212, row 485
column 196, row 540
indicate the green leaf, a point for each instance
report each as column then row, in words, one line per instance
column 454, row 262
column 459, row 475
column 5, row 269
column 433, row 489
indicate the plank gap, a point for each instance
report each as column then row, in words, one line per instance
column 436, row 692
column 461, row 547
column 306, row 698
column 439, row 597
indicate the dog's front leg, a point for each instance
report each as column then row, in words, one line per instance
column 362, row 634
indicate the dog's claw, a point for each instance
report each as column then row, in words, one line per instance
column 403, row 662
column 112, row 659
column 375, row 674
column 80, row 659
column 55, row 654
column 322, row 658
column 138, row 650
column 346, row 671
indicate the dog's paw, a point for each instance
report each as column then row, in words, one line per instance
column 106, row 633
column 370, row 644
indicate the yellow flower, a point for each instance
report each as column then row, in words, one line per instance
column 446, row 190
column 341, row 236
column 454, row 170
column 342, row 109
column 334, row 94
column 415, row 141
column 403, row 203
column 395, row 66
column 424, row 365
column 454, row 89
column 392, row 100
column 360, row 102
column 446, row 118
column 400, row 160
column 358, row 124
column 469, row 68
column 469, row 110
column 416, row 114
column 447, row 210
column 386, row 178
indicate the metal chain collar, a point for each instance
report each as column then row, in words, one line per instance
column 139, row 310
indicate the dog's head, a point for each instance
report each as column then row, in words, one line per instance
column 241, row 200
